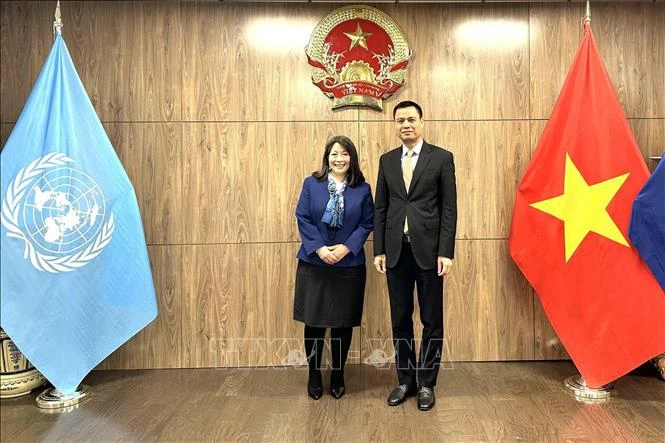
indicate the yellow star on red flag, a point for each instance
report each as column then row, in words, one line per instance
column 583, row 208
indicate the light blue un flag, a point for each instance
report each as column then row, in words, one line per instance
column 76, row 281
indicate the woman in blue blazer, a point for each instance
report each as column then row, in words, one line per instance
column 335, row 215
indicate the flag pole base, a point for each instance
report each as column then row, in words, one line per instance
column 577, row 387
column 55, row 400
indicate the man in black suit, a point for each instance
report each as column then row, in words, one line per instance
column 415, row 220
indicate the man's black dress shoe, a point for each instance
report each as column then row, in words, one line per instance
column 400, row 394
column 425, row 398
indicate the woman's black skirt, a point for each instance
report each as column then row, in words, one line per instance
column 328, row 296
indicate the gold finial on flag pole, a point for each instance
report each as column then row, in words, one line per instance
column 587, row 16
column 57, row 24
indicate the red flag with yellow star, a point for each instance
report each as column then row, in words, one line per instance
column 569, row 228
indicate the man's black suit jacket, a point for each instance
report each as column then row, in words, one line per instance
column 431, row 205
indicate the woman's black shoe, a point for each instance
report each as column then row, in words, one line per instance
column 315, row 393
column 337, row 391
column 315, row 385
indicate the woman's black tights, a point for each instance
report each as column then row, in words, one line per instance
column 340, row 341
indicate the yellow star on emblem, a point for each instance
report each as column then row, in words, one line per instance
column 358, row 38
column 583, row 208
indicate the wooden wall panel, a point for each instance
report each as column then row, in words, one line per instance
column 160, row 344
column 225, row 301
column 244, row 62
column 490, row 158
column 129, row 58
column 151, row 155
column 554, row 37
column 5, row 131
column 470, row 61
column 630, row 40
column 536, row 128
column 376, row 331
column 489, row 310
column 26, row 37
column 127, row 54
column 243, row 180
column 650, row 136
column 284, row 333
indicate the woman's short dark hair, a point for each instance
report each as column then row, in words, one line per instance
column 355, row 175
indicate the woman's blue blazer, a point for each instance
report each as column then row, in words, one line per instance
column 358, row 222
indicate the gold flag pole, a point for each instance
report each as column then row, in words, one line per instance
column 57, row 24
column 575, row 385
column 52, row 399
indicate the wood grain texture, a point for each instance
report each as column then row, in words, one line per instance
column 489, row 307
column 470, row 61
column 284, row 335
column 151, row 154
column 127, row 54
column 536, row 128
column 630, row 41
column 554, row 37
column 247, row 62
column 650, row 137
column 475, row 402
column 376, row 331
column 225, row 303
column 243, row 180
column 26, row 37
column 160, row 344
column 5, row 131
column 490, row 158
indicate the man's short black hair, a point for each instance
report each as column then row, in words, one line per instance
column 408, row 104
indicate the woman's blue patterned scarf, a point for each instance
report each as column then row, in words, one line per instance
column 334, row 215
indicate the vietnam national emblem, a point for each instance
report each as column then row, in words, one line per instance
column 358, row 56
column 59, row 212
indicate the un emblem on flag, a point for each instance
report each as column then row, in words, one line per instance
column 59, row 212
